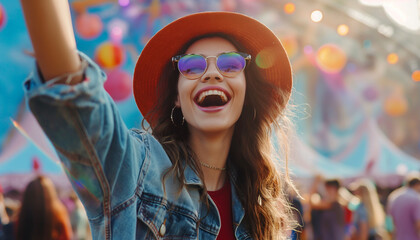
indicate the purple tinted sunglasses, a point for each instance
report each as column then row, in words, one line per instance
column 229, row 64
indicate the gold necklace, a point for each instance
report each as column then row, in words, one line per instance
column 212, row 167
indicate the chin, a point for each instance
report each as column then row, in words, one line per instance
column 213, row 126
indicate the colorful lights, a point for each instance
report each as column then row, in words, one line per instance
column 117, row 29
column 308, row 50
column 331, row 58
column 265, row 59
column 367, row 44
column 416, row 76
column 395, row 105
column 291, row 45
column 392, row 58
column 124, row 3
column 316, row 16
column 343, row 29
column 289, row 8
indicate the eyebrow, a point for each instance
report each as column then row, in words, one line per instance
column 204, row 55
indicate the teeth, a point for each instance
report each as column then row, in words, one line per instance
column 212, row 92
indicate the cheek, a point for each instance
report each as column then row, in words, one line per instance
column 239, row 88
column 185, row 88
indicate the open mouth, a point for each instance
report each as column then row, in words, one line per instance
column 212, row 98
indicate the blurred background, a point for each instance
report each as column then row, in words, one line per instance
column 356, row 67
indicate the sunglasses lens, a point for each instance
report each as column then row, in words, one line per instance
column 192, row 66
column 230, row 64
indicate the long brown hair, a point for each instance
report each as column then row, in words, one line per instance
column 261, row 183
column 42, row 216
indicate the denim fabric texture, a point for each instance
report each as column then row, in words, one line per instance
column 116, row 172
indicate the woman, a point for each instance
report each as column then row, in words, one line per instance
column 369, row 216
column 205, row 171
column 42, row 215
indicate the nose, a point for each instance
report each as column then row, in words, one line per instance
column 212, row 73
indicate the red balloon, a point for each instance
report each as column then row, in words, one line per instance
column 109, row 55
column 89, row 26
column 118, row 85
column 2, row 16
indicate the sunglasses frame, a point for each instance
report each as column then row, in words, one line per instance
column 177, row 58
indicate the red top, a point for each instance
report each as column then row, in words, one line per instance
column 223, row 200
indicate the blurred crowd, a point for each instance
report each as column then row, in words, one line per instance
column 326, row 210
column 358, row 210
column 41, row 213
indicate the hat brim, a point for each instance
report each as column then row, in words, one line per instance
column 258, row 40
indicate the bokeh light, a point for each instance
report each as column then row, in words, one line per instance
column 289, row 8
column 88, row 26
column 342, row 29
column 308, row 50
column 118, row 84
column 331, row 58
column 416, row 76
column 316, row 16
column 229, row 5
column 2, row 16
column 291, row 45
column 392, row 58
column 109, row 55
column 265, row 58
column 117, row 30
column 402, row 169
column 395, row 105
column 155, row 9
column 370, row 93
column 367, row 44
column 124, row 3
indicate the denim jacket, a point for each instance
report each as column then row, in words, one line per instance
column 116, row 172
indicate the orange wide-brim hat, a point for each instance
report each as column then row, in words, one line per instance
column 259, row 41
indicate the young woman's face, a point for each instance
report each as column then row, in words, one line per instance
column 213, row 102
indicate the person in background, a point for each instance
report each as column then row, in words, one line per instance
column 297, row 210
column 42, row 216
column 327, row 213
column 4, row 218
column 404, row 207
column 11, row 204
column 79, row 220
column 369, row 216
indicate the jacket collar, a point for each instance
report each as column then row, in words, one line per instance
column 191, row 177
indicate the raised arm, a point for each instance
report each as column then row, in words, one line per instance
column 50, row 28
column 101, row 157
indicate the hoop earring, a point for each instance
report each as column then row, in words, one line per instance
column 172, row 118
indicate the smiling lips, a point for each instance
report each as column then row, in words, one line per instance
column 212, row 99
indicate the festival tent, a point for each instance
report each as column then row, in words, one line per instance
column 375, row 156
column 305, row 163
column 27, row 153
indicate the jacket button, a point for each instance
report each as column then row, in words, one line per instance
column 162, row 230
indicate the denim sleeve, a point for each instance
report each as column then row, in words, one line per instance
column 101, row 157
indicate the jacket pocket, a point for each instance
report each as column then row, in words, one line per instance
column 166, row 220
